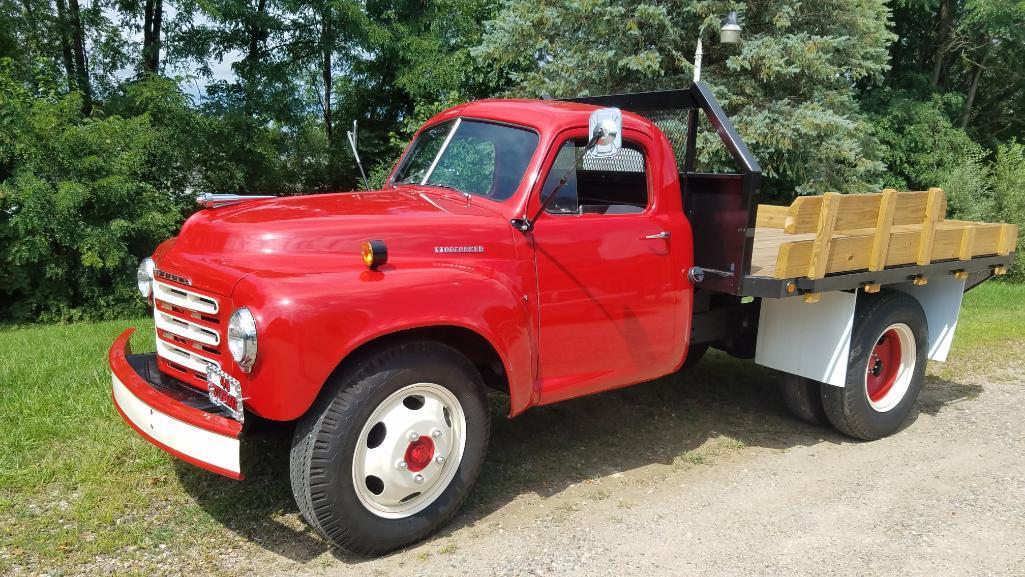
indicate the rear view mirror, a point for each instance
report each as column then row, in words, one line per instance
column 607, row 125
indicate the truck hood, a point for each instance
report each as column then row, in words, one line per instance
column 322, row 233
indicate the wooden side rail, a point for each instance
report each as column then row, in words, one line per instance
column 819, row 235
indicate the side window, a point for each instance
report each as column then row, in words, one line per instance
column 613, row 185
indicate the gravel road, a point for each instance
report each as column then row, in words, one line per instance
column 719, row 481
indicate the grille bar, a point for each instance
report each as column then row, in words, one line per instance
column 187, row 329
column 184, row 357
column 185, row 298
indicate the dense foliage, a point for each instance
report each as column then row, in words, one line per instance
column 116, row 113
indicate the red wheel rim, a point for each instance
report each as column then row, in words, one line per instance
column 883, row 365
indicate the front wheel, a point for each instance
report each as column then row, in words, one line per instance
column 889, row 349
column 392, row 449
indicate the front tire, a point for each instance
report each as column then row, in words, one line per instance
column 392, row 448
column 889, row 350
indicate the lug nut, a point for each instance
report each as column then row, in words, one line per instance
column 440, row 459
column 436, row 433
column 401, row 464
column 418, row 478
column 412, row 436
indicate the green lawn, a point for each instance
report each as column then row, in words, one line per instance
column 77, row 484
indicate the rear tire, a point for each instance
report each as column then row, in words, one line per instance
column 365, row 466
column 803, row 397
column 694, row 356
column 889, row 350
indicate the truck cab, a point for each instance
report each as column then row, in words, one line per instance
column 544, row 249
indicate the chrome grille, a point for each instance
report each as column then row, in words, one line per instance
column 189, row 332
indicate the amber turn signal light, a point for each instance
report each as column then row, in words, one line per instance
column 374, row 252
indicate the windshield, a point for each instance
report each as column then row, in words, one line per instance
column 470, row 156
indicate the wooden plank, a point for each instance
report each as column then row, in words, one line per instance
column 911, row 207
column 785, row 257
column 884, row 221
column 1008, row 239
column 858, row 211
column 964, row 251
column 946, row 243
column 848, row 253
column 932, row 214
column 872, row 287
column 987, row 239
column 771, row 216
column 804, row 214
column 854, row 211
column 818, row 265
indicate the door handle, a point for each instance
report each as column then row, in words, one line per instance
column 664, row 235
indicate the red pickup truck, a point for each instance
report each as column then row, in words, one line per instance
column 544, row 249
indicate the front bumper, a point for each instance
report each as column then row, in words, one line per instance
column 172, row 415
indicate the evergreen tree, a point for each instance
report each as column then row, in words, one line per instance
column 790, row 85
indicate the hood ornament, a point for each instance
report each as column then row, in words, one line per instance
column 211, row 200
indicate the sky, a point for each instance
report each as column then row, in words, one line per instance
column 221, row 69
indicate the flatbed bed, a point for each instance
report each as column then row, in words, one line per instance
column 836, row 242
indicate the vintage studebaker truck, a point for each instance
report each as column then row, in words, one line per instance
column 544, row 249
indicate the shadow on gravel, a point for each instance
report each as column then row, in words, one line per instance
column 548, row 449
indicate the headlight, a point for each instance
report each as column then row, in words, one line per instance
column 242, row 338
column 144, row 276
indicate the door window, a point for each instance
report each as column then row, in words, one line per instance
column 593, row 185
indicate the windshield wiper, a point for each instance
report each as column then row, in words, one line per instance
column 448, row 187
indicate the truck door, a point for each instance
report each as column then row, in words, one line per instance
column 607, row 305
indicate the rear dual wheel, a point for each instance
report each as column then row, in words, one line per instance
column 392, row 449
column 885, row 371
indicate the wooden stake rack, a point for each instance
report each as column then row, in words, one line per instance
column 837, row 233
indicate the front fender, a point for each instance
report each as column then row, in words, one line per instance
column 307, row 324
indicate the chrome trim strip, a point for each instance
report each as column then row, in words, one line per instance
column 211, row 200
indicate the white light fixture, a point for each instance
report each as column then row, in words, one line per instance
column 730, row 31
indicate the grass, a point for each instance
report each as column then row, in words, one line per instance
column 81, row 491
column 718, row 446
column 992, row 324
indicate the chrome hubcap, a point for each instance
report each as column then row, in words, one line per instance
column 409, row 450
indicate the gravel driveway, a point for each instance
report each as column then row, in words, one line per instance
column 698, row 478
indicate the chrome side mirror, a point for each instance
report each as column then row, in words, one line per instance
column 606, row 128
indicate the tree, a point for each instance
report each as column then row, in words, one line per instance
column 974, row 50
column 153, row 19
column 790, row 86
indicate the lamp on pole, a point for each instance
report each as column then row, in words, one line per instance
column 729, row 33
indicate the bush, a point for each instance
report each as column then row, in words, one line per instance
column 1009, row 195
column 79, row 205
column 922, row 149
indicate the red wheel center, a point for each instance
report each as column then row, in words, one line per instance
column 419, row 454
column 883, row 365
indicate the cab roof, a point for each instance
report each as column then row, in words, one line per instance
column 541, row 115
